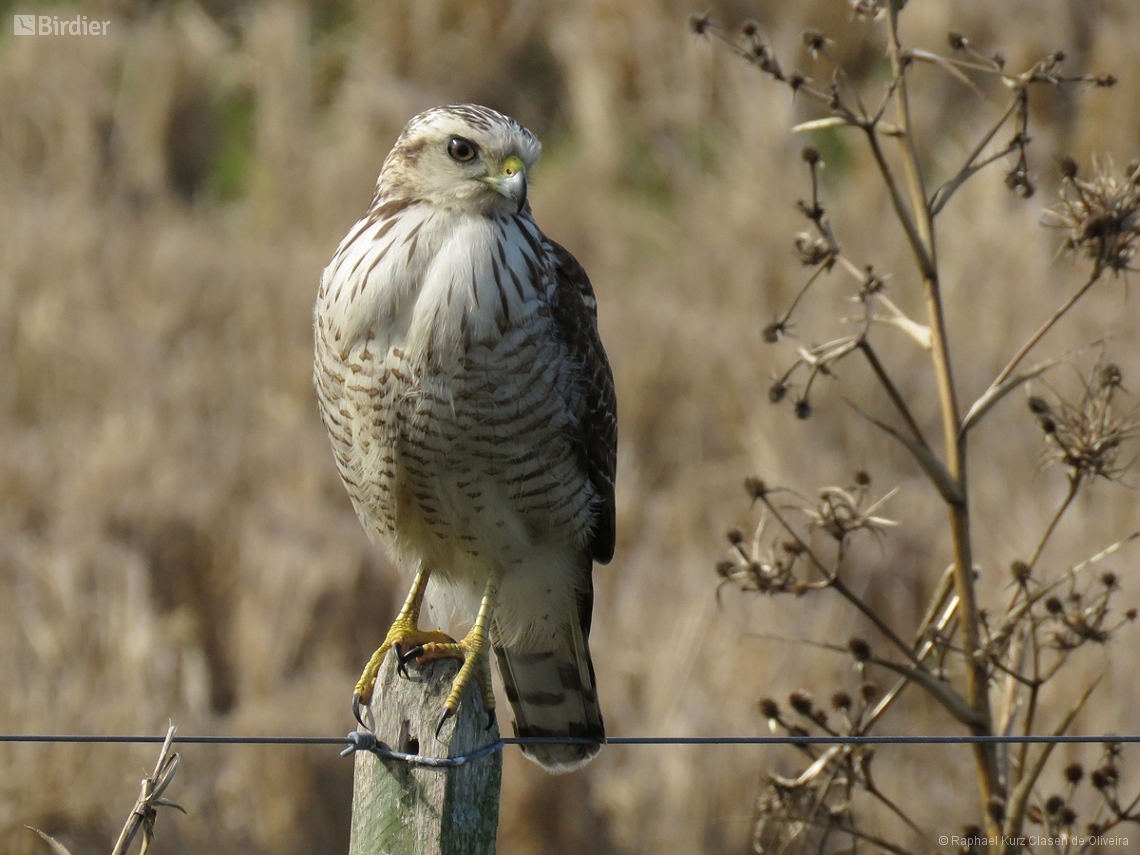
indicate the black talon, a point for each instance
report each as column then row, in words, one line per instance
column 401, row 662
column 447, row 713
column 403, row 658
column 356, row 710
column 490, row 719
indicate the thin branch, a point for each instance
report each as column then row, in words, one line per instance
column 935, row 59
column 882, row 797
column 1034, row 693
column 892, row 392
column 925, row 262
column 954, row 703
column 56, row 847
column 950, row 66
column 1015, row 811
column 937, row 473
column 1048, row 325
column 833, row 581
column 998, row 391
column 1074, row 486
column 942, row 194
column 854, row 832
column 782, row 321
column 150, row 797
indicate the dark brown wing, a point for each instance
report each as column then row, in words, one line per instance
column 575, row 313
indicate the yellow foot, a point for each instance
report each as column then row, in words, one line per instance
column 408, row 641
column 472, row 651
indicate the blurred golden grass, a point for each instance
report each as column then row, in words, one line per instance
column 174, row 542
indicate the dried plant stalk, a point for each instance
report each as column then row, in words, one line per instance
column 960, row 658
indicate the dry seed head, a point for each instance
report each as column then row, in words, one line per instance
column 862, row 478
column 1074, row 773
column 1130, row 614
column 860, row 649
column 810, row 154
column 841, row 512
column 769, row 709
column 749, row 29
column 1105, row 777
column 873, row 283
column 841, row 701
column 801, row 702
column 725, row 569
column 803, row 409
column 868, row 692
column 1066, row 817
column 996, row 808
column 755, row 488
column 1054, row 606
column 763, row 58
column 813, row 212
column 1105, row 80
column 1108, row 579
column 957, row 40
column 1020, row 572
column 1019, row 182
column 1100, row 217
column 777, row 392
column 814, row 40
column 735, row 537
column 812, row 250
column 1068, row 166
column 700, row 24
column 1087, row 435
column 1054, row 804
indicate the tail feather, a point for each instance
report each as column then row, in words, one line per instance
column 552, row 693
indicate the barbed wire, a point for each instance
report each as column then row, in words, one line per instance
column 365, row 741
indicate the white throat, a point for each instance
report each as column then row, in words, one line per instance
column 421, row 278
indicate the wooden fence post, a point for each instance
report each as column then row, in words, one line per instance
column 404, row 809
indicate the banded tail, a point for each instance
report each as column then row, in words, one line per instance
column 552, row 693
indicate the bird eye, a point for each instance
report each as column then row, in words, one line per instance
column 461, row 149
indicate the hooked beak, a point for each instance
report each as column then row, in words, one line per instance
column 512, row 182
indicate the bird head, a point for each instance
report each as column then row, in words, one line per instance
column 462, row 157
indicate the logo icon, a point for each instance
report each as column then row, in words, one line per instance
column 24, row 25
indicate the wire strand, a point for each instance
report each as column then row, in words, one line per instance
column 936, row 739
column 365, row 741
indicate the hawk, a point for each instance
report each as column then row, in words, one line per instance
column 471, row 410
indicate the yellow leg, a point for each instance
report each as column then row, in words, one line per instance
column 405, row 634
column 473, row 651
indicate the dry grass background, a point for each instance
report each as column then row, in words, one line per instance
column 174, row 542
